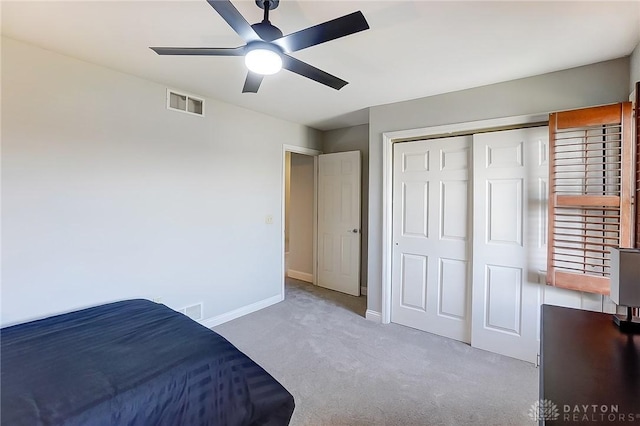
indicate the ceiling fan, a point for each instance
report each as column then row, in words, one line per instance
column 266, row 49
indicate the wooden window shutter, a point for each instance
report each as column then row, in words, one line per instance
column 591, row 188
column 637, row 199
column 636, row 118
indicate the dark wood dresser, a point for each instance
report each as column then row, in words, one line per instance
column 589, row 370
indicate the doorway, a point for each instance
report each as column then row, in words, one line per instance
column 299, row 216
column 321, row 196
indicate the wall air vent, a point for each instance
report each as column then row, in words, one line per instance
column 184, row 103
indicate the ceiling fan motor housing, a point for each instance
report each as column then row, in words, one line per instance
column 267, row 31
column 272, row 4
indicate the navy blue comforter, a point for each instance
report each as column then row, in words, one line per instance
column 132, row 363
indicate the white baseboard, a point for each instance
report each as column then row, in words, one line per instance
column 302, row 276
column 237, row 313
column 363, row 290
column 373, row 316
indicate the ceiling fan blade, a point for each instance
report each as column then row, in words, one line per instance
column 252, row 83
column 321, row 33
column 306, row 70
column 203, row 51
column 230, row 14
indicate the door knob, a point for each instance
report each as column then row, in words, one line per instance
column 355, row 230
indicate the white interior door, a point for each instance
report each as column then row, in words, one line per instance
column 509, row 209
column 431, row 229
column 339, row 222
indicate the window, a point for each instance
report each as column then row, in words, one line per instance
column 185, row 103
column 591, row 184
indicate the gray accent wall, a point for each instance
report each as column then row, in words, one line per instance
column 355, row 138
column 601, row 83
column 107, row 195
column 634, row 68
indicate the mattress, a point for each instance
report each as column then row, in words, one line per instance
column 132, row 362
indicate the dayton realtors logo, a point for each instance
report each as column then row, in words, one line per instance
column 597, row 414
column 545, row 409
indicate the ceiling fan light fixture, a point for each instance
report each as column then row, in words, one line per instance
column 267, row 50
column 263, row 61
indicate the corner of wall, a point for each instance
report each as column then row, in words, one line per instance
column 634, row 67
column 373, row 316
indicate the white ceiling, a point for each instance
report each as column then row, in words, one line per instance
column 413, row 49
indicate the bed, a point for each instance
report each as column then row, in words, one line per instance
column 132, row 362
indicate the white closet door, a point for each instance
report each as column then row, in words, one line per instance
column 509, row 247
column 431, row 228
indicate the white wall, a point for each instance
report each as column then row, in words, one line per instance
column 107, row 195
column 596, row 84
column 355, row 138
column 301, row 217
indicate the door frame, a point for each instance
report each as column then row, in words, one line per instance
column 447, row 130
column 313, row 153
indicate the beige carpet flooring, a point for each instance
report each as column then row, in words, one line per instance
column 345, row 370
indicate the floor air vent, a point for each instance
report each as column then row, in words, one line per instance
column 194, row 311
